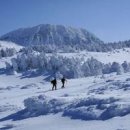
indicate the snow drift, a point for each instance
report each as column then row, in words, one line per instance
column 44, row 105
column 87, row 108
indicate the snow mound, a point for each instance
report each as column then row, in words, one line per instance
column 96, row 109
column 111, row 86
column 87, row 108
column 8, row 107
column 44, row 105
column 122, row 85
column 29, row 86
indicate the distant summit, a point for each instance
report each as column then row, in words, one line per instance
column 56, row 35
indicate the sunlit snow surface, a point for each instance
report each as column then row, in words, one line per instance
column 27, row 102
column 4, row 44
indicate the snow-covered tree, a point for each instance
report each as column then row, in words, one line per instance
column 6, row 52
column 116, row 67
column 69, row 67
column 14, row 64
column 126, row 66
column 106, row 68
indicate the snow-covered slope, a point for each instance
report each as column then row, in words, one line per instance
column 118, row 55
column 97, row 102
column 51, row 34
column 27, row 102
column 5, row 44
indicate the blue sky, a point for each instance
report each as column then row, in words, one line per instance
column 107, row 19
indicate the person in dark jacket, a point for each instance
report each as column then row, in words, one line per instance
column 63, row 82
column 54, row 83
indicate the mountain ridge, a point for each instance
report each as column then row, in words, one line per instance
column 51, row 34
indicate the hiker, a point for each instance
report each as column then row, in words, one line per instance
column 63, row 82
column 54, row 83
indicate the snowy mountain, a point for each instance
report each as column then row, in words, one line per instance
column 56, row 35
column 51, row 38
column 27, row 102
column 97, row 91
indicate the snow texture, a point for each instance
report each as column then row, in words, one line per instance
column 83, row 108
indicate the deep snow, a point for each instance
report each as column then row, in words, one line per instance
column 84, row 99
column 27, row 102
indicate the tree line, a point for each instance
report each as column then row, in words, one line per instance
column 69, row 67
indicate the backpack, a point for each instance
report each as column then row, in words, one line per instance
column 53, row 81
column 63, row 80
